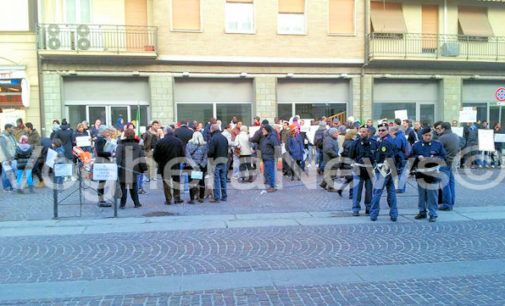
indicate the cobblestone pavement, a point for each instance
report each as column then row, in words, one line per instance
column 443, row 291
column 243, row 198
column 394, row 255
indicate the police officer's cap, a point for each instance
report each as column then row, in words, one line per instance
column 426, row 130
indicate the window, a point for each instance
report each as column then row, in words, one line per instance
column 200, row 112
column 10, row 92
column 291, row 17
column 225, row 111
column 309, row 110
column 430, row 28
column 473, row 24
column 239, row 16
column 387, row 110
column 387, row 19
column 341, row 16
column 14, row 15
column 186, row 15
column 77, row 11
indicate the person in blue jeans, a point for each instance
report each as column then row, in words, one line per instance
column 268, row 143
column 24, row 164
column 218, row 157
column 7, row 152
column 386, row 158
column 451, row 144
column 429, row 154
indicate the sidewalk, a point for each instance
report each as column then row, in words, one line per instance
column 180, row 223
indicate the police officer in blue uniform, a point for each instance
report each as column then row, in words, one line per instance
column 363, row 155
column 429, row 156
column 386, row 158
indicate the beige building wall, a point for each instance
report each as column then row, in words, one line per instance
column 213, row 41
column 19, row 50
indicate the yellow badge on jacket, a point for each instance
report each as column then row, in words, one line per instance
column 383, row 149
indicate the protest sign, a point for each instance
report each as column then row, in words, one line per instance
column 486, row 140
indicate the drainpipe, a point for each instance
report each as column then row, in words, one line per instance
column 445, row 18
column 367, row 50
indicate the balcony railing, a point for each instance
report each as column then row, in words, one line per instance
column 96, row 38
column 433, row 46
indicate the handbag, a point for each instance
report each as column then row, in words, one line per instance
column 236, row 151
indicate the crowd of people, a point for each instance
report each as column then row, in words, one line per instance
column 205, row 157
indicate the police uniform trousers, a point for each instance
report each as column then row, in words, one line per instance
column 381, row 183
column 428, row 198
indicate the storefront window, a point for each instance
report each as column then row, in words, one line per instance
column 387, row 110
column 427, row 113
column 481, row 110
column 226, row 111
column 76, row 115
column 284, row 111
column 318, row 110
column 10, row 92
column 144, row 120
column 198, row 112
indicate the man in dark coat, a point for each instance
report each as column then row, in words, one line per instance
column 184, row 133
column 65, row 134
column 450, row 141
column 169, row 154
column 130, row 159
column 218, row 157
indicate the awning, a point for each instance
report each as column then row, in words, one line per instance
column 387, row 17
column 474, row 22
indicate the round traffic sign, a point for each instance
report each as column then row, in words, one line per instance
column 500, row 94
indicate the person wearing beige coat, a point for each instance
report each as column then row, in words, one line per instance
column 246, row 151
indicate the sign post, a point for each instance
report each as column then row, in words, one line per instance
column 500, row 97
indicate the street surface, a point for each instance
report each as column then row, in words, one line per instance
column 298, row 246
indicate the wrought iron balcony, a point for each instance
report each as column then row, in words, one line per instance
column 409, row 46
column 97, row 39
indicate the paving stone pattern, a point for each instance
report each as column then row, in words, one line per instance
column 128, row 255
column 477, row 290
column 293, row 197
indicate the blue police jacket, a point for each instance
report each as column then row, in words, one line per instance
column 402, row 145
column 364, row 148
column 433, row 149
column 387, row 149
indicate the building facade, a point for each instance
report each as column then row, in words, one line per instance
column 19, row 88
column 192, row 59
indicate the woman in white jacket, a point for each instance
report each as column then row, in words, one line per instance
column 244, row 150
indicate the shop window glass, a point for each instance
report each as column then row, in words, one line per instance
column 285, row 111
column 10, row 92
column 318, row 110
column 387, row 110
column 494, row 115
column 76, row 115
column 144, row 118
column 226, row 111
column 98, row 112
column 198, row 112
column 481, row 110
column 427, row 113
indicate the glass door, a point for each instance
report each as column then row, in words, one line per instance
column 97, row 112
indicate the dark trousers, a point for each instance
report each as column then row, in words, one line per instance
column 101, row 189
column 133, row 193
column 198, row 186
column 168, row 187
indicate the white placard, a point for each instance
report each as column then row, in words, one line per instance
column 142, row 130
column 458, row 131
column 196, row 175
column 401, row 114
column 486, row 140
column 63, row 170
column 253, row 129
column 468, row 114
column 51, row 157
column 499, row 137
column 83, row 141
column 104, row 172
